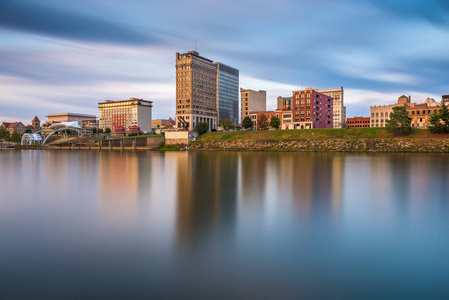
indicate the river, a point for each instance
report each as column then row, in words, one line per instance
column 223, row 225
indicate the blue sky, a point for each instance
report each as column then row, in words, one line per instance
column 66, row 56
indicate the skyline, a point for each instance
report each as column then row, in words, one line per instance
column 59, row 56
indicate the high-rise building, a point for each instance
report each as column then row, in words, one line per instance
column 196, row 84
column 126, row 113
column 339, row 113
column 252, row 101
column 227, row 93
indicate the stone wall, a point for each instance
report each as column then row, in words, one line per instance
column 335, row 145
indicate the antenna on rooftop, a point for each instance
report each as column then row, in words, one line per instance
column 196, row 46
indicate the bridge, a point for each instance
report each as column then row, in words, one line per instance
column 37, row 137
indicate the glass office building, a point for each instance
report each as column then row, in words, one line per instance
column 227, row 93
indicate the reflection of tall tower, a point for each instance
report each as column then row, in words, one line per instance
column 206, row 195
column 254, row 172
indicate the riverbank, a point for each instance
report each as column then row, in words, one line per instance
column 335, row 140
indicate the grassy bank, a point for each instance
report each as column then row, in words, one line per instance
column 345, row 133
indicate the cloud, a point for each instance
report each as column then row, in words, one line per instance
column 28, row 16
column 434, row 11
column 81, row 52
column 41, row 99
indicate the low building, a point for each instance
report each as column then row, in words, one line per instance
column 118, row 132
column 255, row 115
column 86, row 122
column 163, row 123
column 14, row 126
column 30, row 129
column 134, row 130
column 126, row 113
column 358, row 122
column 69, row 117
column 418, row 112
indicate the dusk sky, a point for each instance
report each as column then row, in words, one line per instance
column 66, row 56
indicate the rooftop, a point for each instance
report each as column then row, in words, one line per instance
column 71, row 114
column 130, row 99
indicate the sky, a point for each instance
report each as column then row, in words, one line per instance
column 66, row 56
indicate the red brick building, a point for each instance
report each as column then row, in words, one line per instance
column 269, row 114
column 358, row 122
column 311, row 109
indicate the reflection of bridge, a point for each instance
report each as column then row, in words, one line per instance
column 36, row 138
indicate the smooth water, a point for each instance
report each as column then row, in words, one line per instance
column 223, row 225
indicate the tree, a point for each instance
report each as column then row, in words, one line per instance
column 107, row 130
column 4, row 134
column 275, row 122
column 100, row 130
column 94, row 130
column 439, row 120
column 262, row 121
column 434, row 122
column 15, row 137
column 247, row 123
column 202, row 127
column 400, row 122
column 227, row 123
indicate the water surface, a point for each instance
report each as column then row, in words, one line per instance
column 223, row 225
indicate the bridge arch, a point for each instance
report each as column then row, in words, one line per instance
column 61, row 129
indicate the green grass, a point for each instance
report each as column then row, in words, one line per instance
column 169, row 148
column 300, row 134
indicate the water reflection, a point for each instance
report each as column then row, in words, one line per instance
column 206, row 196
column 237, row 225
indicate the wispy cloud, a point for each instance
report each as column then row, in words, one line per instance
column 68, row 55
column 38, row 18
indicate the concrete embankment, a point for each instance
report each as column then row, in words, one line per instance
column 135, row 143
column 334, row 145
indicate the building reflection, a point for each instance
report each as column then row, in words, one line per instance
column 206, row 196
column 314, row 180
column 118, row 187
